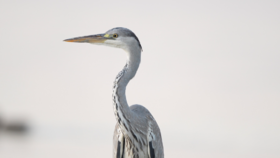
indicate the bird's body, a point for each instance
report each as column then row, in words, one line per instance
column 136, row 134
column 143, row 144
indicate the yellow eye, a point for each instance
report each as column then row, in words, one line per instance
column 115, row 35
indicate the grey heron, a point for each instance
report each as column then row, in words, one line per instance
column 136, row 134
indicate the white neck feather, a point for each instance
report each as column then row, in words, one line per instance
column 133, row 62
column 121, row 108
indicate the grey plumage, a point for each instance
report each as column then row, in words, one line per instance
column 125, row 33
column 140, row 128
column 136, row 134
column 137, row 130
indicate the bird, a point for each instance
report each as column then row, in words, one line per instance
column 136, row 134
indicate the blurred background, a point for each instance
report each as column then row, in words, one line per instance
column 209, row 74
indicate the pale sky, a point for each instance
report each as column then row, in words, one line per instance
column 209, row 74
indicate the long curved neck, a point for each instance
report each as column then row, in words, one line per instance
column 121, row 108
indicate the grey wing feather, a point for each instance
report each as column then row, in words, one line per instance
column 145, row 130
column 156, row 142
column 117, row 145
column 160, row 150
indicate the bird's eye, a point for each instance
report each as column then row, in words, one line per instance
column 115, row 35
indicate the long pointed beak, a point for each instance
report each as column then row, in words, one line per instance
column 99, row 38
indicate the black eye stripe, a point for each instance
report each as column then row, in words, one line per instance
column 124, row 32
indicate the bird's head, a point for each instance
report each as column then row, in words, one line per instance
column 118, row 37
